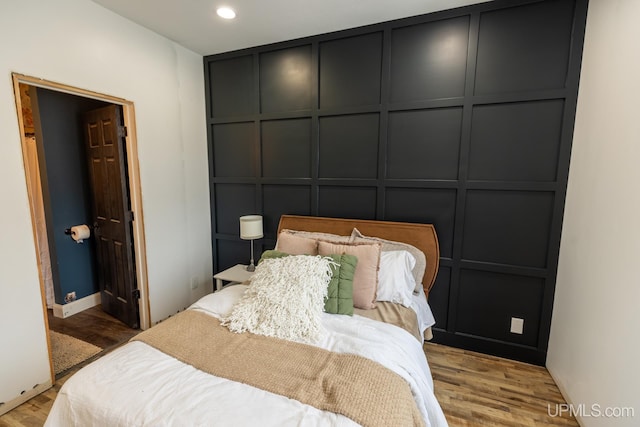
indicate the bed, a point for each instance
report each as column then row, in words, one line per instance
column 337, row 365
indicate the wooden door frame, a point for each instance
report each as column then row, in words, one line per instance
column 135, row 192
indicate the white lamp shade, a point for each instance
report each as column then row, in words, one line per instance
column 251, row 227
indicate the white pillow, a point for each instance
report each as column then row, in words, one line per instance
column 390, row 245
column 395, row 279
column 285, row 299
column 219, row 304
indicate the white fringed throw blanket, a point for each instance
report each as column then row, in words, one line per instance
column 285, row 299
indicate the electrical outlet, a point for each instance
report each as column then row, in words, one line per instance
column 194, row 283
column 71, row 296
column 517, row 325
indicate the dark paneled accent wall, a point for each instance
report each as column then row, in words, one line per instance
column 461, row 118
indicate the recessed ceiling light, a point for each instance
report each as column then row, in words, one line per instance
column 226, row 13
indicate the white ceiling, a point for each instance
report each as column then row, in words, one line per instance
column 195, row 25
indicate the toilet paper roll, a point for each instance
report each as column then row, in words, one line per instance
column 80, row 232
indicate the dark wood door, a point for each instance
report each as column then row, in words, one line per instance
column 105, row 142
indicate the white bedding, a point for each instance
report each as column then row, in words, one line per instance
column 420, row 305
column 136, row 385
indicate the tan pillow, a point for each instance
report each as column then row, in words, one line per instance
column 390, row 245
column 316, row 235
column 365, row 279
column 296, row 245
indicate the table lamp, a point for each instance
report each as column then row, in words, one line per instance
column 251, row 229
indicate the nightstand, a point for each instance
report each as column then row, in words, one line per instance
column 236, row 274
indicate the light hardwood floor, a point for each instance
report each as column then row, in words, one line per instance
column 479, row 390
column 473, row 389
column 93, row 326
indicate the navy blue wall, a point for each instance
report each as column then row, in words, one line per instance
column 66, row 190
column 462, row 119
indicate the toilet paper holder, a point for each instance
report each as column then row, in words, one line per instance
column 67, row 231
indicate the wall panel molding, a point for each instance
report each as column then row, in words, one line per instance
column 461, row 118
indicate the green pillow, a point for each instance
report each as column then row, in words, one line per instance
column 340, row 291
column 272, row 253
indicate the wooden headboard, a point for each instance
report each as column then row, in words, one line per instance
column 422, row 236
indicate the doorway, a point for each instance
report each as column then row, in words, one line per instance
column 44, row 243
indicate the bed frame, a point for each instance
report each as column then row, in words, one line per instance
column 422, row 236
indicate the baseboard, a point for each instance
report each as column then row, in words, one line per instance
column 63, row 311
column 563, row 392
column 7, row 406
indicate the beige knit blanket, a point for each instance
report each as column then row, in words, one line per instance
column 394, row 314
column 356, row 387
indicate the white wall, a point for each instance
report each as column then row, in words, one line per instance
column 594, row 349
column 78, row 43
